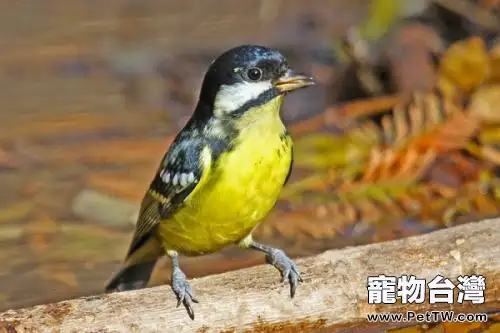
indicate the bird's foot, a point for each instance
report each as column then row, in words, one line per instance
column 288, row 269
column 183, row 291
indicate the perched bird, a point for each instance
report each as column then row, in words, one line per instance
column 222, row 174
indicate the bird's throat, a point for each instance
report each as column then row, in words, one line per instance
column 262, row 118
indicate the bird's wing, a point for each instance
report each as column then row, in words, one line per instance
column 179, row 174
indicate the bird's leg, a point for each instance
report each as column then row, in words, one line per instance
column 276, row 257
column 180, row 286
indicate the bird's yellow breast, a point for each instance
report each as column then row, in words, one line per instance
column 241, row 187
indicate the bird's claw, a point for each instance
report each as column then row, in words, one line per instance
column 288, row 269
column 183, row 291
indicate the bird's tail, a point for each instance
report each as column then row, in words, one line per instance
column 137, row 269
column 131, row 277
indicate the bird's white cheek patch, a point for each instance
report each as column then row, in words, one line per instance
column 232, row 97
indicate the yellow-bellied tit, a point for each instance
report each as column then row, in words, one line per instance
column 222, row 174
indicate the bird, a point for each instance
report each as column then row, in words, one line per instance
column 221, row 175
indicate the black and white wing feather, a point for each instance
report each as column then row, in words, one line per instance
column 178, row 175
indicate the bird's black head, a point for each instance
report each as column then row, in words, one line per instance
column 247, row 74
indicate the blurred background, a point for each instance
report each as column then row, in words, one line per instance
column 398, row 138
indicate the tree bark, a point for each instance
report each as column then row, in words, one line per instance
column 332, row 298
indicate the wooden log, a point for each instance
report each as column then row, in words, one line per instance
column 332, row 296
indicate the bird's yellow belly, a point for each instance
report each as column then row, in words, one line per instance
column 242, row 189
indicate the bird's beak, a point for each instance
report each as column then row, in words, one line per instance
column 292, row 80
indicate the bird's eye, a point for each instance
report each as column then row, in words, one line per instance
column 254, row 74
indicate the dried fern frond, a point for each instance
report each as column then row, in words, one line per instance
column 422, row 160
column 406, row 141
column 392, row 202
column 480, row 198
column 370, row 203
column 427, row 122
column 407, row 165
column 410, row 138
